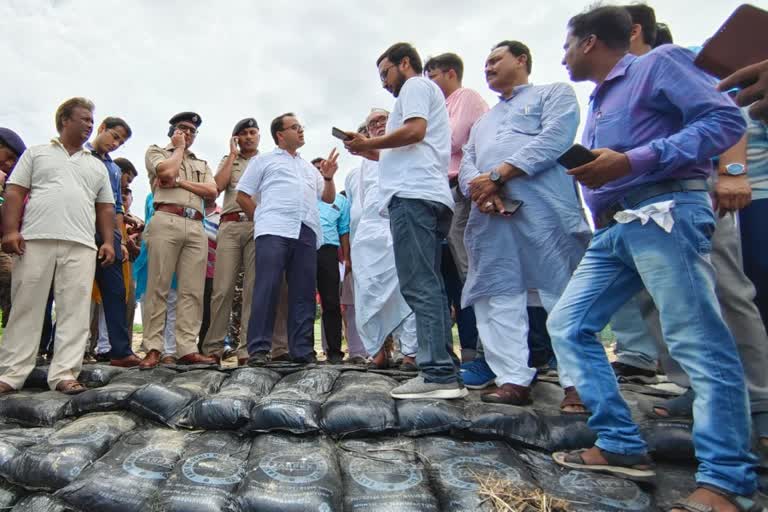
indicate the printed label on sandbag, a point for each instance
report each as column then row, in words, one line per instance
column 151, row 463
column 213, row 469
column 90, row 433
column 463, row 472
column 399, row 477
column 294, row 468
column 613, row 492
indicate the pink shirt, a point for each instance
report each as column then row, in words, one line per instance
column 465, row 106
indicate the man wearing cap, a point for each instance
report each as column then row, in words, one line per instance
column 235, row 248
column 176, row 240
column 11, row 148
column 69, row 195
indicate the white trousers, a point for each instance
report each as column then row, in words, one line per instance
column 502, row 323
column 70, row 267
column 405, row 335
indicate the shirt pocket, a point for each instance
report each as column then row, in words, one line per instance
column 611, row 129
column 525, row 119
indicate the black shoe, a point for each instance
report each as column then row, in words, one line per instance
column 103, row 357
column 258, row 359
column 629, row 371
column 283, row 358
column 310, row 359
column 335, row 359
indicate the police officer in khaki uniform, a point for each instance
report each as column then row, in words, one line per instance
column 235, row 248
column 176, row 240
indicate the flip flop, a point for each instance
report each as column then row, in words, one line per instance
column 742, row 503
column 680, row 407
column 638, row 468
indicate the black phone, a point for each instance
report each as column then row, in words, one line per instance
column 576, row 156
column 510, row 206
column 171, row 129
column 339, row 134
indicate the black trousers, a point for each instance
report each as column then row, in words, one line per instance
column 208, row 291
column 328, row 284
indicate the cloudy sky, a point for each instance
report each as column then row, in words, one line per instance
column 146, row 60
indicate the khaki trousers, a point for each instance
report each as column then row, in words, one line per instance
column 175, row 244
column 74, row 265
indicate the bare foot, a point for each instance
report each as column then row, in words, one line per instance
column 711, row 498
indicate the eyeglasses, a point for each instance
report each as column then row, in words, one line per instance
column 385, row 72
column 186, row 128
column 377, row 121
column 297, row 127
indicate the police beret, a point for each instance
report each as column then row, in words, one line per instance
column 9, row 138
column 248, row 122
column 192, row 117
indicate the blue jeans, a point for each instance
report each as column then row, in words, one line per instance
column 112, row 287
column 676, row 270
column 418, row 228
column 754, row 248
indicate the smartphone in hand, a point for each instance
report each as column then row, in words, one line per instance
column 510, row 206
column 340, row 134
column 576, row 156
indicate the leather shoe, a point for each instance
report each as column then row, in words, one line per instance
column 509, row 394
column 151, row 360
column 126, row 362
column 197, row 358
column 6, row 388
column 242, row 361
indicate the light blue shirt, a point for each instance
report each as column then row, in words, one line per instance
column 334, row 219
column 539, row 246
column 757, row 158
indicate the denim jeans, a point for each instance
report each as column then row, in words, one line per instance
column 676, row 270
column 418, row 228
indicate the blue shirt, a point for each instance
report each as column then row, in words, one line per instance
column 115, row 177
column 665, row 114
column 334, row 219
column 542, row 243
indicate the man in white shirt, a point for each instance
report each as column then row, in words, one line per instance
column 413, row 182
column 69, row 194
column 287, row 233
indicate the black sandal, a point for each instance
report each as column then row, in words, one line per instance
column 632, row 467
column 680, row 407
column 742, row 503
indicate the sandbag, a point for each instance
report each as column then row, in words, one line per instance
column 385, row 475
column 97, row 375
column 520, row 425
column 164, row 402
column 294, row 403
column 9, row 494
column 34, row 409
column 585, row 491
column 456, row 469
column 129, row 475
column 37, row 378
column 14, row 441
column 205, row 478
column 230, row 408
column 114, row 396
column 669, row 440
column 42, row 503
column 59, row 459
column 291, row 474
column 429, row 416
column 359, row 404
column 673, row 483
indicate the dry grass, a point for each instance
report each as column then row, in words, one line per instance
column 504, row 495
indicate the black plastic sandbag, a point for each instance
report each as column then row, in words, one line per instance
column 291, row 474
column 42, row 503
column 359, row 404
column 456, row 469
column 97, row 375
column 114, row 396
column 230, row 408
column 429, row 416
column 14, row 441
column 586, row 491
column 34, row 409
column 516, row 424
column 59, row 459
column 669, row 440
column 9, row 494
column 164, row 402
column 205, row 478
column 127, row 477
column 385, row 475
column 568, row 431
column 37, row 378
column 294, row 403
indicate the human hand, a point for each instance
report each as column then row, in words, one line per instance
column 608, row 166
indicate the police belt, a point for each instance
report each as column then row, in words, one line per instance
column 181, row 211
column 233, row 217
column 605, row 218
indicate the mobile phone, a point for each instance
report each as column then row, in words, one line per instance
column 171, row 130
column 576, row 156
column 510, row 206
column 339, row 134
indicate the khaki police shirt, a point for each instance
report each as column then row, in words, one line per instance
column 192, row 169
column 230, row 194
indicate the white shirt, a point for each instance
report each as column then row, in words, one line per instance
column 63, row 192
column 286, row 189
column 418, row 171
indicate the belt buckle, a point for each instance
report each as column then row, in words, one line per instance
column 242, row 217
column 189, row 213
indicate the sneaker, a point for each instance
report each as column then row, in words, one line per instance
column 418, row 388
column 477, row 374
column 258, row 359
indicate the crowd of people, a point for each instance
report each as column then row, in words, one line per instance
column 458, row 212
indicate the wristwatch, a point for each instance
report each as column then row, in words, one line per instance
column 735, row 169
column 177, row 181
column 496, row 178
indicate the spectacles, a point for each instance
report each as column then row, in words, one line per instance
column 385, row 72
column 186, row 128
column 296, row 127
column 377, row 121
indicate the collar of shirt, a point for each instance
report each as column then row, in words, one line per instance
column 56, row 141
column 515, row 92
column 618, row 71
column 281, row 151
column 103, row 158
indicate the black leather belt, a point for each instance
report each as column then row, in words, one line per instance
column 631, row 199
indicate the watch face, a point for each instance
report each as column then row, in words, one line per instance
column 495, row 176
column 734, row 169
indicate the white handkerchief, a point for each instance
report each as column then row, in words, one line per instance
column 661, row 213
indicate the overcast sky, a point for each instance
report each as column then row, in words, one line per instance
column 146, row 60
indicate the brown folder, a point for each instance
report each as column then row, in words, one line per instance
column 740, row 42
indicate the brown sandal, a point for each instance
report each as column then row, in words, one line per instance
column 6, row 388
column 742, row 503
column 572, row 399
column 70, row 387
column 632, row 467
